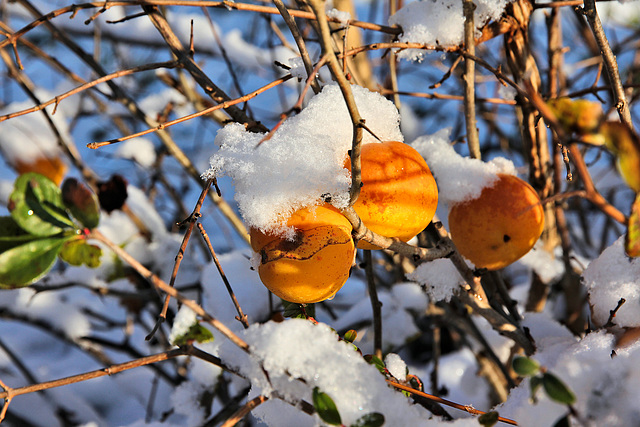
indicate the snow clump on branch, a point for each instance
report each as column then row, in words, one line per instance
column 303, row 161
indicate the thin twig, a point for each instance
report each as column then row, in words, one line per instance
column 610, row 62
column 375, row 303
column 162, row 317
column 241, row 316
column 469, row 79
column 302, row 47
column 467, row 408
column 242, row 412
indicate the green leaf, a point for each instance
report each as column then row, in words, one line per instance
column 557, row 390
column 373, row 419
column 326, row 408
column 632, row 239
column 36, row 206
column 11, row 235
column 298, row 311
column 24, row 264
column 377, row 362
column 524, row 366
column 81, row 202
column 350, row 335
column 197, row 333
column 77, row 252
column 534, row 385
column 488, row 419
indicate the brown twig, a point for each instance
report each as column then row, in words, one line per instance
column 376, row 306
column 241, row 316
column 610, row 62
column 467, row 408
column 469, row 79
column 193, row 218
column 242, row 412
column 302, row 47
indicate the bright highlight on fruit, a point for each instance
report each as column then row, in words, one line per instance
column 399, row 195
column 315, row 264
column 500, row 226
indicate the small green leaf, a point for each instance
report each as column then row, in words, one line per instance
column 557, row 390
column 24, row 264
column 488, row 419
column 36, row 206
column 524, row 366
column 632, row 238
column 350, row 335
column 377, row 362
column 77, row 252
column 81, row 202
column 534, row 385
column 372, row 419
column 326, row 408
column 197, row 333
column 563, row 422
column 298, row 311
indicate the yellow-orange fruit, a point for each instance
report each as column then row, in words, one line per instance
column 315, row 264
column 500, row 226
column 53, row 168
column 399, row 196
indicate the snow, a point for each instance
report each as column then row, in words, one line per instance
column 303, row 160
column 47, row 307
column 440, row 278
column 140, row 150
column 341, row 16
column 294, row 353
column 440, row 22
column 183, row 321
column 396, row 366
column 613, row 275
column 459, row 178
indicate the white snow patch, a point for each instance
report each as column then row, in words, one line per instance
column 140, row 150
column 343, row 17
column 396, row 366
column 440, row 22
column 440, row 278
column 183, row 321
column 297, row 350
column 303, row 160
column 459, row 178
column 613, row 275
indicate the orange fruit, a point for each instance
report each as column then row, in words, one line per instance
column 500, row 226
column 53, row 168
column 315, row 264
column 399, row 196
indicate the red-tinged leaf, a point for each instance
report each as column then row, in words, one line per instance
column 78, row 252
column 632, row 239
column 25, row 264
column 81, row 202
column 113, row 193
